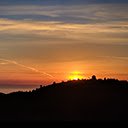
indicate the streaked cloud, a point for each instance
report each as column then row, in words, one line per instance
column 3, row 63
column 40, row 30
column 85, row 13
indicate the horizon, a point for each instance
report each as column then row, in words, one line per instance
column 46, row 41
column 30, row 88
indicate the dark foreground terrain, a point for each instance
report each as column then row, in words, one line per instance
column 81, row 100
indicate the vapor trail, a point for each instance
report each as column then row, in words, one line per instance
column 27, row 67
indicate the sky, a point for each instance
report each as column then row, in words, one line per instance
column 42, row 41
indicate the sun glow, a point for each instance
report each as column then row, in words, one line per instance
column 76, row 75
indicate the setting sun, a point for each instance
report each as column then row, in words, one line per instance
column 76, row 75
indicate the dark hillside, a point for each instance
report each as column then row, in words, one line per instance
column 81, row 100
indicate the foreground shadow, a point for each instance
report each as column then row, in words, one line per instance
column 95, row 100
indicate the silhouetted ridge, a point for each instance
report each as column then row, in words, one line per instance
column 77, row 100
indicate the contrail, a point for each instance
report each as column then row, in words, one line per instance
column 27, row 67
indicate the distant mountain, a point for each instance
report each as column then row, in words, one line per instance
column 77, row 100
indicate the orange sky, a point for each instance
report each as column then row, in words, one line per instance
column 49, row 43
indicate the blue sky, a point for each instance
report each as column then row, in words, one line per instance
column 58, row 2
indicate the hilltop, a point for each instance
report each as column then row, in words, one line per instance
column 76, row 100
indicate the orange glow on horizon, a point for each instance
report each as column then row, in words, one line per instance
column 75, row 75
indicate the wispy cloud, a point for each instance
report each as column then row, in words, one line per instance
column 3, row 63
column 116, row 57
column 39, row 30
column 88, row 13
column 24, row 66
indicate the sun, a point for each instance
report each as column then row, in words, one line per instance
column 76, row 75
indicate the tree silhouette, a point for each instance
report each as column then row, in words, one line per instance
column 93, row 77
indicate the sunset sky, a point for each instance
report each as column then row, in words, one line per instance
column 42, row 41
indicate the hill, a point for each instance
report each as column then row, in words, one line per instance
column 77, row 100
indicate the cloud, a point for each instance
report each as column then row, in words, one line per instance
column 46, row 42
column 3, row 63
column 27, row 67
column 40, row 30
column 116, row 57
column 86, row 13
